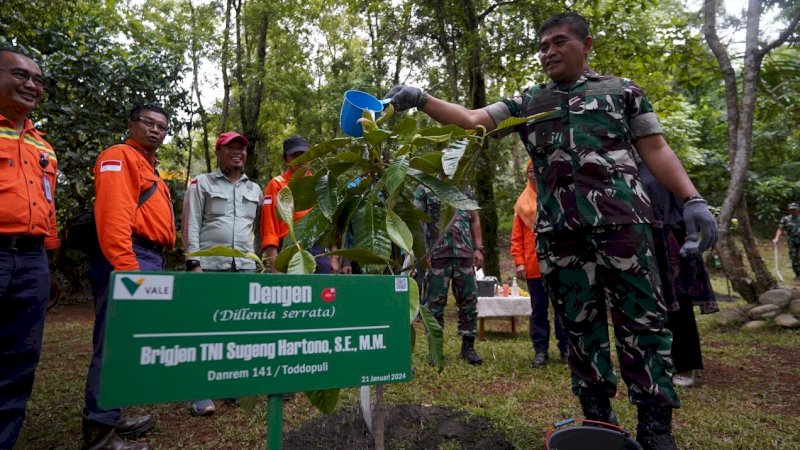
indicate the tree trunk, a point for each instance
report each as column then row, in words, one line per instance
column 763, row 277
column 446, row 46
column 196, row 86
column 226, row 83
column 485, row 170
column 740, row 134
column 252, row 91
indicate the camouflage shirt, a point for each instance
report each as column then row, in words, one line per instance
column 791, row 226
column 457, row 243
column 583, row 152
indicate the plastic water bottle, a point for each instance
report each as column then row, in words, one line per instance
column 514, row 288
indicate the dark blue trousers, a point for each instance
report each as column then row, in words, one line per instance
column 540, row 325
column 99, row 273
column 24, row 292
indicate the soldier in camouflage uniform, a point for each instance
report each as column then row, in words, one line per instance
column 791, row 226
column 452, row 260
column 594, row 225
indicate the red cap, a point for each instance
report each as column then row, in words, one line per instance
column 230, row 136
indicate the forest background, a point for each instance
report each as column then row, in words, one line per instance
column 270, row 69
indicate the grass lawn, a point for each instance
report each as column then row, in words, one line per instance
column 748, row 397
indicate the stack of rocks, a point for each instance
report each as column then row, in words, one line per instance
column 780, row 306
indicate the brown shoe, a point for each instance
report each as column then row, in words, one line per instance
column 134, row 427
column 99, row 436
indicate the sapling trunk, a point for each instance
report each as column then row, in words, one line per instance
column 379, row 419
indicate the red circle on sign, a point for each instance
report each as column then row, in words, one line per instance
column 328, row 295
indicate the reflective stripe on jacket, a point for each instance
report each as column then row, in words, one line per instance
column 27, row 190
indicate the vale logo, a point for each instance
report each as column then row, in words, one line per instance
column 143, row 287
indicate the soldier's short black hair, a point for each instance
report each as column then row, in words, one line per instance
column 137, row 111
column 576, row 23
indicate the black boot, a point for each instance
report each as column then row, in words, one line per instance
column 134, row 427
column 598, row 408
column 99, row 436
column 468, row 351
column 654, row 431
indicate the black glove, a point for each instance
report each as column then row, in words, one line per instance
column 407, row 97
column 698, row 217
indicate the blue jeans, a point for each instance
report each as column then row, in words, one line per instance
column 24, row 292
column 99, row 273
column 540, row 325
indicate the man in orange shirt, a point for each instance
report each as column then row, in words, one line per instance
column 135, row 227
column 27, row 228
column 273, row 229
column 523, row 250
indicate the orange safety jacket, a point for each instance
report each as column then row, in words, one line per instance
column 121, row 174
column 273, row 229
column 27, row 190
column 523, row 248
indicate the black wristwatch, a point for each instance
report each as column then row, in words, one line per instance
column 192, row 264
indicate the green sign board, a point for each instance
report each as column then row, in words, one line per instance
column 186, row 336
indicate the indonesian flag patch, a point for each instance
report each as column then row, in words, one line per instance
column 112, row 165
column 267, row 199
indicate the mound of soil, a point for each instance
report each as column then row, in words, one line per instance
column 407, row 426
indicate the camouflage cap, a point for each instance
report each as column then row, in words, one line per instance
column 793, row 205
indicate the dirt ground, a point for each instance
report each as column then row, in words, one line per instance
column 407, row 426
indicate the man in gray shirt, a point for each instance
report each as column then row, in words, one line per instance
column 220, row 209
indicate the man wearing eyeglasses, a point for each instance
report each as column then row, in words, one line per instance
column 135, row 228
column 219, row 210
column 27, row 229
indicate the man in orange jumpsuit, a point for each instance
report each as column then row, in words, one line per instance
column 27, row 228
column 273, row 229
column 135, row 227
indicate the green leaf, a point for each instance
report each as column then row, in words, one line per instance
column 322, row 149
column 324, row 400
column 360, row 255
column 327, row 198
column 429, row 162
column 283, row 258
column 338, row 168
column 301, row 263
column 369, row 227
column 388, row 113
column 413, row 218
column 310, row 228
column 450, row 130
column 452, row 156
column 445, row 190
column 229, row 252
column 413, row 299
column 514, row 121
column 420, row 140
column 285, row 207
column 304, row 191
column 395, row 174
column 376, row 136
column 399, row 232
column 435, row 337
column 406, row 125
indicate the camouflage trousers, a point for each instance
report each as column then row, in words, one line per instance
column 465, row 291
column 794, row 257
column 611, row 267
